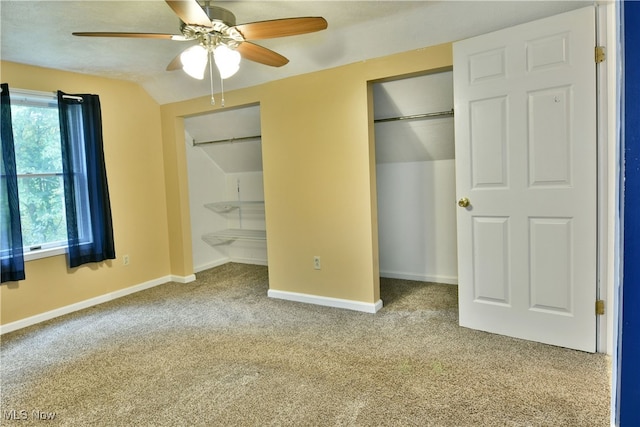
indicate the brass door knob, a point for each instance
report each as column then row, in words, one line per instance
column 464, row 202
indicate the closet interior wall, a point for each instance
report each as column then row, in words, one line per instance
column 223, row 176
column 415, row 174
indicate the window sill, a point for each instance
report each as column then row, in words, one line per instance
column 44, row 253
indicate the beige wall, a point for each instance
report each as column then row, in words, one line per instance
column 135, row 171
column 319, row 174
column 319, row 178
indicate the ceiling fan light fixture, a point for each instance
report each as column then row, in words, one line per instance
column 194, row 61
column 227, row 60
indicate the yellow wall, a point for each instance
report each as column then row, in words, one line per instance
column 135, row 171
column 319, row 173
column 319, row 178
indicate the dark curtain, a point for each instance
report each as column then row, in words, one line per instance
column 89, row 225
column 12, row 265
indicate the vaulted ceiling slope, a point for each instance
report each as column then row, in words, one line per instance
column 39, row 33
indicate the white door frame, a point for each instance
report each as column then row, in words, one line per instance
column 608, row 172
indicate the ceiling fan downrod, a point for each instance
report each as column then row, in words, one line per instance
column 213, row 101
column 219, row 14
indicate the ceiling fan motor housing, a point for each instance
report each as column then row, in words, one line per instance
column 216, row 13
column 221, row 31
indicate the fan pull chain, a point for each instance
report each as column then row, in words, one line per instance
column 213, row 101
column 221, row 91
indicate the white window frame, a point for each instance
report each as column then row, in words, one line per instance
column 49, row 249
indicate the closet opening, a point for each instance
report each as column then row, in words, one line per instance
column 226, row 192
column 415, row 175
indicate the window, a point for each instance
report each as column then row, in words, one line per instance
column 36, row 133
column 52, row 156
column 38, row 150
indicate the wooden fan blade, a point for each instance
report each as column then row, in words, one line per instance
column 190, row 12
column 175, row 64
column 260, row 54
column 134, row 35
column 281, row 27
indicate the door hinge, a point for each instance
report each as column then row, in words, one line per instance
column 599, row 307
column 600, row 54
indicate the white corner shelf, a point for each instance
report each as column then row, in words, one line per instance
column 222, row 237
column 224, row 207
column 231, row 235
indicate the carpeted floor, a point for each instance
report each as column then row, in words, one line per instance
column 219, row 352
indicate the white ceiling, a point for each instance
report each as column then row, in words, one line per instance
column 39, row 33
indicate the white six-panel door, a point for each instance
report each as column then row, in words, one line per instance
column 525, row 114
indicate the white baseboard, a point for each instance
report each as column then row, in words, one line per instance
column 183, row 279
column 252, row 261
column 449, row 280
column 29, row 321
column 211, row 264
column 218, row 263
column 326, row 301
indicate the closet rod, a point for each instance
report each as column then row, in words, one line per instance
column 217, row 141
column 416, row 116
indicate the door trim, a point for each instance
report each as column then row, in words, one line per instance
column 608, row 191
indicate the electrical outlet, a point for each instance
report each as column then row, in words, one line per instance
column 125, row 260
column 316, row 262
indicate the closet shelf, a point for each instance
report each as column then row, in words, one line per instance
column 233, row 234
column 222, row 207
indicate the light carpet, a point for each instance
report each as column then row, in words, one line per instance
column 219, row 352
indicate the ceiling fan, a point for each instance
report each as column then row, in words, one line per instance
column 220, row 39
